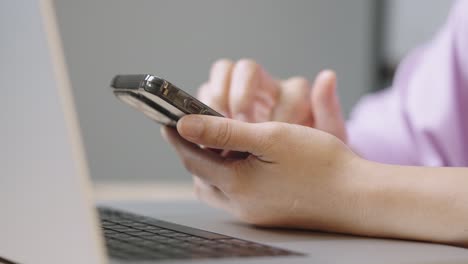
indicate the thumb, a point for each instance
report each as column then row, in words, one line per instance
column 326, row 106
column 222, row 133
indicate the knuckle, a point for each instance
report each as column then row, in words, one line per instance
column 277, row 132
column 274, row 132
column 296, row 95
column 246, row 66
column 299, row 82
column 223, row 135
column 247, row 62
column 219, row 66
column 222, row 63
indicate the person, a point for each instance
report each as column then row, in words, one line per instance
column 398, row 168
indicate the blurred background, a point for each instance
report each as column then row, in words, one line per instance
column 362, row 40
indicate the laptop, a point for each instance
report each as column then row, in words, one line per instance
column 48, row 213
column 47, row 191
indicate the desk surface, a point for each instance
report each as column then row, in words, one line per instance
column 320, row 247
column 143, row 191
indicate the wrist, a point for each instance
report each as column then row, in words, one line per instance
column 358, row 205
column 358, row 196
column 345, row 203
column 379, row 194
column 369, row 192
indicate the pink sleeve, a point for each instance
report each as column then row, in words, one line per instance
column 423, row 118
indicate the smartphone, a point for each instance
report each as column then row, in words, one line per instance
column 157, row 98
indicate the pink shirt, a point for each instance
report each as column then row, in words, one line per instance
column 423, row 118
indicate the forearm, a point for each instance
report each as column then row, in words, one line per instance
column 421, row 119
column 420, row 203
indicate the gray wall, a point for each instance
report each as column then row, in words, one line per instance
column 179, row 40
column 403, row 32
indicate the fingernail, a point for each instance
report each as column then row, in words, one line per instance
column 191, row 126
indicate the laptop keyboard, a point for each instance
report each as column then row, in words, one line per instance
column 137, row 238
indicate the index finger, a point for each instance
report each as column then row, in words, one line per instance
column 252, row 92
column 203, row 163
column 217, row 90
